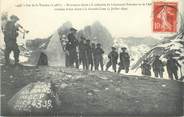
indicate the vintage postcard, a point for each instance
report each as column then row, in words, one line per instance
column 92, row 58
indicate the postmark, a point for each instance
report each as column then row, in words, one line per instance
column 165, row 16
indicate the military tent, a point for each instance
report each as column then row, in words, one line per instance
column 49, row 53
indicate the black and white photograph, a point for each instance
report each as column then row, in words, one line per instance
column 92, row 58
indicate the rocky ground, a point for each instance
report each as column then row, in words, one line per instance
column 97, row 93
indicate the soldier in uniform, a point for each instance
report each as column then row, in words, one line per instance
column 10, row 39
column 124, row 61
column 82, row 48
column 65, row 44
column 93, row 55
column 113, row 57
column 82, row 52
column 172, row 67
column 72, row 48
column 99, row 57
column 146, row 68
column 67, row 56
column 158, row 67
column 89, row 54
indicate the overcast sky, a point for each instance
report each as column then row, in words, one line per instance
column 136, row 21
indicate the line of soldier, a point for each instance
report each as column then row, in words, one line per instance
column 158, row 67
column 91, row 55
column 124, row 58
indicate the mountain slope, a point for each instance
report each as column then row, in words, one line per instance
column 174, row 46
column 97, row 93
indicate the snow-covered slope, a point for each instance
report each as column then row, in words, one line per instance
column 174, row 46
column 136, row 46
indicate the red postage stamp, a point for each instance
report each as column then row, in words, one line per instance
column 165, row 16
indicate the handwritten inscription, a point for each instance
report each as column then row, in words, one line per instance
column 38, row 97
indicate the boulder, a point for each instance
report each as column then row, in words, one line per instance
column 35, row 98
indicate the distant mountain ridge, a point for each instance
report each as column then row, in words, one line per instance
column 134, row 41
column 98, row 33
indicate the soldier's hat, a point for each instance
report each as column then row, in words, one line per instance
column 14, row 17
column 73, row 29
column 123, row 48
column 113, row 48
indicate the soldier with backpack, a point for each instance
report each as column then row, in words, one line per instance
column 71, row 47
column 158, row 67
column 172, row 67
column 146, row 68
column 10, row 38
column 98, row 54
column 89, row 54
column 113, row 57
column 124, row 60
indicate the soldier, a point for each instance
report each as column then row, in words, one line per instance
column 158, row 67
column 82, row 43
column 82, row 53
column 63, row 41
column 65, row 44
column 172, row 67
column 113, row 57
column 89, row 54
column 93, row 55
column 99, row 57
column 10, row 39
column 67, row 56
column 124, row 61
column 146, row 68
column 72, row 48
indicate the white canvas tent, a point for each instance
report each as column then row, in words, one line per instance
column 54, row 52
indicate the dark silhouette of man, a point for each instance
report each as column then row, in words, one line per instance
column 10, row 39
column 113, row 57
column 172, row 67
